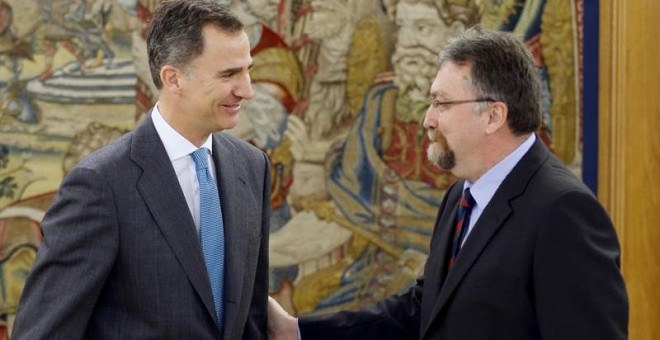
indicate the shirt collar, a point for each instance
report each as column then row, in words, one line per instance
column 484, row 188
column 175, row 144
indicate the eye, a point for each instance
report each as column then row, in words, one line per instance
column 224, row 75
column 424, row 29
column 440, row 106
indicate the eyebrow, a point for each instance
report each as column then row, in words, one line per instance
column 233, row 70
column 436, row 95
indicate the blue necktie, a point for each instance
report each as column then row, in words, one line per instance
column 211, row 229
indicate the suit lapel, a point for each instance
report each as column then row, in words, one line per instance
column 491, row 220
column 162, row 194
column 231, row 186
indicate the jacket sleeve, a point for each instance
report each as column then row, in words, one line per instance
column 256, row 326
column 80, row 243
column 396, row 318
column 578, row 287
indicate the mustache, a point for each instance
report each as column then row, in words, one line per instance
column 416, row 52
column 431, row 135
column 436, row 136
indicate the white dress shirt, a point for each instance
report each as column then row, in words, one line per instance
column 178, row 150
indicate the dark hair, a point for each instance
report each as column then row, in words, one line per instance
column 502, row 69
column 175, row 33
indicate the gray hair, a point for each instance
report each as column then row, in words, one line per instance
column 503, row 69
column 175, row 33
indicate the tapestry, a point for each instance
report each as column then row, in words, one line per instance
column 341, row 91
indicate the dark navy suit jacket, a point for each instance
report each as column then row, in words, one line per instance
column 542, row 262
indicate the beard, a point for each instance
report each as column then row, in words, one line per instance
column 414, row 68
column 439, row 152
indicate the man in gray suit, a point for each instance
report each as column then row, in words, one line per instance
column 121, row 256
column 521, row 248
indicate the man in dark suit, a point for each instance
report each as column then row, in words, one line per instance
column 121, row 257
column 521, row 249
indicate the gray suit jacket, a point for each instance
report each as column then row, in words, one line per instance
column 542, row 262
column 121, row 257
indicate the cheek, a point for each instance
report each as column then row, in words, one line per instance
column 222, row 91
column 455, row 140
column 443, row 132
column 465, row 140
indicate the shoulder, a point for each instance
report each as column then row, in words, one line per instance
column 558, row 196
column 246, row 150
column 109, row 153
column 553, row 176
column 542, row 174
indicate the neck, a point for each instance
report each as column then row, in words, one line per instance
column 495, row 150
column 178, row 120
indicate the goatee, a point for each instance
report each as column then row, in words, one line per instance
column 439, row 152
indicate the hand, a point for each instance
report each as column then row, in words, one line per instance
column 281, row 325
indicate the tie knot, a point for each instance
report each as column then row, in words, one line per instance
column 467, row 201
column 200, row 158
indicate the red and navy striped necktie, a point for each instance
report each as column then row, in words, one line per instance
column 462, row 224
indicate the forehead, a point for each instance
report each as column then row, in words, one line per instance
column 452, row 80
column 411, row 12
column 221, row 46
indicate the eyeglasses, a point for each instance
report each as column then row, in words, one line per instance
column 445, row 105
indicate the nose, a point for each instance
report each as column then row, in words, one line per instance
column 429, row 119
column 243, row 88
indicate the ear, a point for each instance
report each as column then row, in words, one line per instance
column 497, row 116
column 171, row 78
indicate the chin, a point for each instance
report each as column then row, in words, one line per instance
column 228, row 123
column 434, row 153
column 441, row 157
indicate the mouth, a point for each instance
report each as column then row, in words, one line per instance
column 432, row 136
column 435, row 137
column 232, row 107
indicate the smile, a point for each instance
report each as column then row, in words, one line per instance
column 234, row 108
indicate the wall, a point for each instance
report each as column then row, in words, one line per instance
column 342, row 86
column 629, row 149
